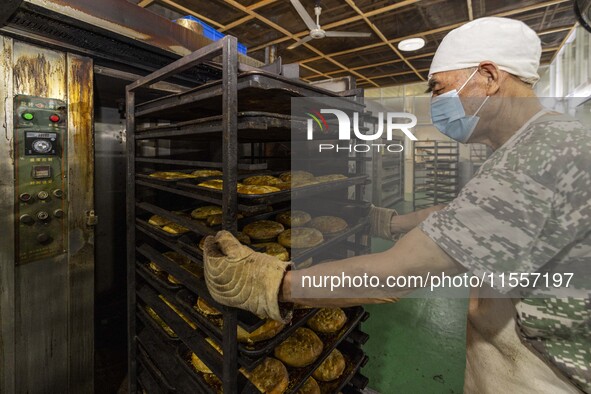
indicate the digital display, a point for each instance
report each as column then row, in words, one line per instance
column 41, row 172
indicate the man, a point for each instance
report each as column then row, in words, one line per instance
column 527, row 210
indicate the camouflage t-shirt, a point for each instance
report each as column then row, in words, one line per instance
column 528, row 209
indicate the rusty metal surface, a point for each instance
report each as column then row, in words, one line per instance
column 7, row 253
column 81, row 237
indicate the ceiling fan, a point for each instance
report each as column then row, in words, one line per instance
column 316, row 32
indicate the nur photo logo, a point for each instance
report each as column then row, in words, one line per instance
column 388, row 121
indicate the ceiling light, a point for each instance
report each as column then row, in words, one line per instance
column 411, row 44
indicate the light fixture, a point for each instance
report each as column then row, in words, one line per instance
column 411, row 44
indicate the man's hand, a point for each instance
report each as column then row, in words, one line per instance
column 239, row 277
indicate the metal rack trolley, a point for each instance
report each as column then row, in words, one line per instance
column 215, row 110
column 436, row 173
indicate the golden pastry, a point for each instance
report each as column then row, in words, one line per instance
column 158, row 221
column 331, row 368
column 216, row 220
column 328, row 225
column 330, row 178
column 171, row 175
column 175, row 228
column 202, row 213
column 293, row 218
column 256, row 189
column 178, row 312
column 214, row 382
column 328, row 320
column 300, row 238
column 212, row 184
column 295, row 176
column 300, row 349
column 310, row 386
column 283, row 186
column 264, row 332
column 263, row 230
column 261, row 180
column 154, row 268
column 200, row 365
column 171, row 279
column 152, row 313
column 270, row 377
column 206, row 173
column 274, row 249
column 202, row 306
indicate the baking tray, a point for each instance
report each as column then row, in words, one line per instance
column 173, row 245
column 247, row 320
column 255, row 91
column 354, row 357
column 152, row 375
column 281, row 196
column 213, row 199
column 149, row 322
column 252, row 126
column 186, row 221
column 159, row 281
column 158, row 230
column 300, row 317
column 162, row 355
column 147, row 383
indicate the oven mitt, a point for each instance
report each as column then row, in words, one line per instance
column 380, row 220
column 239, row 277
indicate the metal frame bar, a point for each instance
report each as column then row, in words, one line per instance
column 228, row 49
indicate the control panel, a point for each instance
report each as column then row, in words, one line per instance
column 41, row 208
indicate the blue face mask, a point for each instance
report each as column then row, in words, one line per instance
column 448, row 115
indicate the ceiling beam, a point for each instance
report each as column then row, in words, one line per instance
column 382, row 37
column 260, row 4
column 286, row 32
column 439, row 30
column 341, row 22
column 318, row 73
column 236, row 23
column 145, row 3
column 563, row 42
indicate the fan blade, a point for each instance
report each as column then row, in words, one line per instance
column 304, row 15
column 300, row 42
column 346, row 34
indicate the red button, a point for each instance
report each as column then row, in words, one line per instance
column 54, row 118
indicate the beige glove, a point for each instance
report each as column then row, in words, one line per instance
column 239, row 277
column 381, row 221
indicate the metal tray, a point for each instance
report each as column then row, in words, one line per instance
column 300, row 317
column 162, row 355
column 354, row 358
column 156, row 280
column 173, row 245
column 252, row 126
column 153, row 377
column 149, row 322
column 156, row 229
column 281, row 196
column 255, row 90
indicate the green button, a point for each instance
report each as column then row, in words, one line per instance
column 28, row 116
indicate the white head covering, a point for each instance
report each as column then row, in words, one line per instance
column 510, row 43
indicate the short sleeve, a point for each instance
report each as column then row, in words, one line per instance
column 496, row 224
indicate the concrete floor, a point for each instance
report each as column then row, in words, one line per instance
column 418, row 344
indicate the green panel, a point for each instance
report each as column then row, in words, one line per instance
column 40, row 143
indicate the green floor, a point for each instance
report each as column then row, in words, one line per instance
column 418, row 344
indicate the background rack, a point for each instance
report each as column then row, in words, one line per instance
column 184, row 130
column 436, row 173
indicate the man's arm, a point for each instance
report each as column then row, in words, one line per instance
column 415, row 254
column 405, row 223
